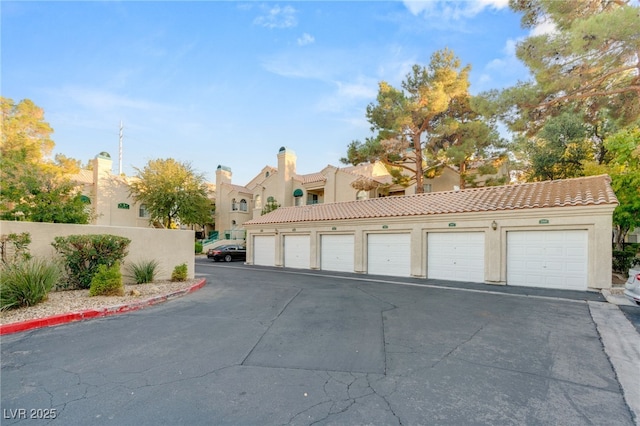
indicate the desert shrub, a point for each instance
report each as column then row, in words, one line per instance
column 107, row 281
column 83, row 254
column 27, row 282
column 198, row 247
column 179, row 273
column 143, row 271
column 625, row 259
column 15, row 247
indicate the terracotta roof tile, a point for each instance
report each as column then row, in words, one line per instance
column 311, row 178
column 593, row 190
column 237, row 188
column 83, row 176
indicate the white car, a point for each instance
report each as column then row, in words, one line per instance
column 632, row 286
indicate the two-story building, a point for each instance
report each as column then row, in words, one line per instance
column 282, row 186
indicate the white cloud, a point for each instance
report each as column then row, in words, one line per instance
column 547, row 27
column 277, row 17
column 349, row 95
column 306, row 39
column 102, row 100
column 286, row 65
column 453, row 10
column 503, row 71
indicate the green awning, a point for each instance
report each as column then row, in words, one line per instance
column 298, row 193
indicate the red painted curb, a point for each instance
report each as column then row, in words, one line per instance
column 51, row 321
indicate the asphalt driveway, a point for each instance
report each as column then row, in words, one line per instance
column 260, row 346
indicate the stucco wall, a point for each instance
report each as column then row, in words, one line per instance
column 169, row 247
column 596, row 220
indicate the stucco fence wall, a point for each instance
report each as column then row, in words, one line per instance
column 169, row 247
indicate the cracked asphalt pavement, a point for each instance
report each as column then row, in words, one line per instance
column 266, row 346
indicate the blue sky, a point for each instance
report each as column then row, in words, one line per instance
column 231, row 82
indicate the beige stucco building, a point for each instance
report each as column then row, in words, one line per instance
column 554, row 234
column 107, row 196
column 284, row 187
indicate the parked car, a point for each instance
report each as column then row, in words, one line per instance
column 227, row 253
column 632, row 287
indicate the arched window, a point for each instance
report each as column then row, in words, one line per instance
column 243, row 205
column 234, row 205
column 362, row 195
column 142, row 211
column 271, row 200
column 258, row 200
column 266, row 175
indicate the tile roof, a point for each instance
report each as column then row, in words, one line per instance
column 311, row 178
column 585, row 191
column 83, row 176
column 237, row 188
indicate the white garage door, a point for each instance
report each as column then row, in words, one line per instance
column 264, row 250
column 297, row 251
column 389, row 254
column 337, row 253
column 550, row 259
column 456, row 256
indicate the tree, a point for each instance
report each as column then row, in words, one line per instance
column 34, row 187
column 589, row 62
column 270, row 206
column 624, row 169
column 172, row 192
column 559, row 151
column 416, row 125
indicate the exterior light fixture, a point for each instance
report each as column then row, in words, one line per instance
column 494, row 225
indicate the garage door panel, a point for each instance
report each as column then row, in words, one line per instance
column 456, row 256
column 264, row 250
column 389, row 254
column 337, row 253
column 297, row 251
column 554, row 259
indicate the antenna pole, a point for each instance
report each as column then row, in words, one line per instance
column 120, row 151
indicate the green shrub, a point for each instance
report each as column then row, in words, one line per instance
column 198, row 247
column 143, row 271
column 107, row 281
column 27, row 283
column 179, row 273
column 83, row 254
column 623, row 260
column 15, row 247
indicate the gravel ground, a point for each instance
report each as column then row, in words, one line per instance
column 62, row 302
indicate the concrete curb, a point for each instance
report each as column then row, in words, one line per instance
column 54, row 320
column 622, row 345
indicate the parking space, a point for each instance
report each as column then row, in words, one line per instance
column 270, row 346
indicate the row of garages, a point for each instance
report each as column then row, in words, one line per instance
column 539, row 258
column 554, row 234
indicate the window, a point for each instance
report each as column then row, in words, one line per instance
column 243, row 205
column 312, row 199
column 266, row 175
column 426, row 187
column 234, row 205
column 143, row 212
column 362, row 195
column 258, row 199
